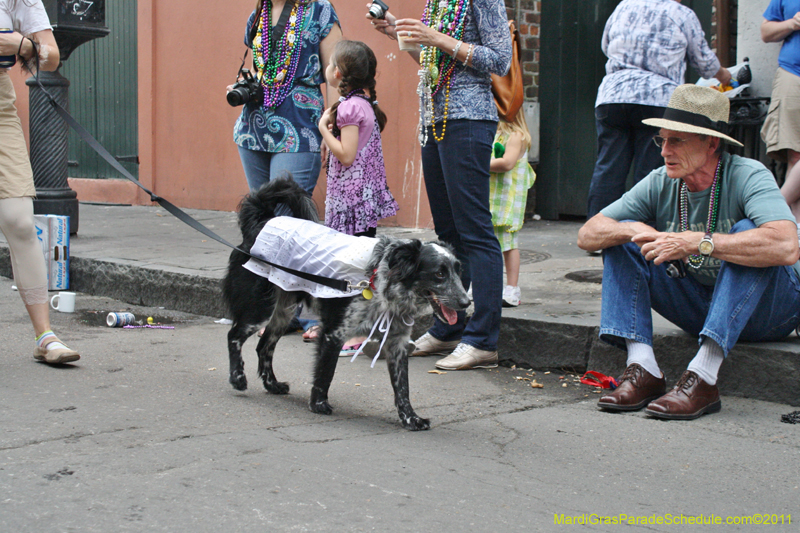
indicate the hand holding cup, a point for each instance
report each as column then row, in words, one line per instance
column 414, row 32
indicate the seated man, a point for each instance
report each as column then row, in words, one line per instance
column 717, row 217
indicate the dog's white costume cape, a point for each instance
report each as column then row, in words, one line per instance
column 313, row 248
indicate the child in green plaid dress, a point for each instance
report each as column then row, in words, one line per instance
column 511, row 177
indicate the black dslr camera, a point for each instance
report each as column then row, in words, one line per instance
column 245, row 90
column 378, row 9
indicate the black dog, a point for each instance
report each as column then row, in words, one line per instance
column 409, row 275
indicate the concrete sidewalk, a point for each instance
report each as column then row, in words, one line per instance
column 145, row 256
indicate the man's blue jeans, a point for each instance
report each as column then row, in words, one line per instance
column 456, row 174
column 622, row 139
column 261, row 167
column 747, row 303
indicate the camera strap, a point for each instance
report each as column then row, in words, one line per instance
column 338, row 284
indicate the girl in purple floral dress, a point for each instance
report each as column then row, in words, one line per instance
column 358, row 195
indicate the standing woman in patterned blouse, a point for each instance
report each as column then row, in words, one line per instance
column 277, row 131
column 462, row 43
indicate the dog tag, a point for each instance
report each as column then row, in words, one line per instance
column 367, row 294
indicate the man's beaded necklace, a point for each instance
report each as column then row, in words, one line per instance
column 696, row 260
column 277, row 61
column 436, row 67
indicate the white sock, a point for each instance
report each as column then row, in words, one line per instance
column 642, row 354
column 707, row 361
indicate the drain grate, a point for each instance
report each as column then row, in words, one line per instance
column 586, row 276
column 526, row 257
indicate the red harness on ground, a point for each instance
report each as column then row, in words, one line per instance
column 596, row 379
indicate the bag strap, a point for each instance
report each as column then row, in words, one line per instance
column 280, row 26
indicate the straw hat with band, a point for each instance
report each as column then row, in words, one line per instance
column 696, row 109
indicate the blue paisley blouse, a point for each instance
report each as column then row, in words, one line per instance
column 471, row 97
column 292, row 126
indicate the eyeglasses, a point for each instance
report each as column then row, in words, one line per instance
column 674, row 142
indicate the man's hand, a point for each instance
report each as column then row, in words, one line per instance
column 794, row 22
column 660, row 247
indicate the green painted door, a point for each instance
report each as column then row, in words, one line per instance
column 572, row 67
column 103, row 93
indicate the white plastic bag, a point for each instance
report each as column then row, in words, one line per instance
column 734, row 70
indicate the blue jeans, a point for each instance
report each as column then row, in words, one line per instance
column 261, row 167
column 622, row 139
column 456, row 174
column 747, row 303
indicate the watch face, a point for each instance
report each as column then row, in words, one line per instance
column 705, row 247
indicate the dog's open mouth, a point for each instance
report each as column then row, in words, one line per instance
column 448, row 314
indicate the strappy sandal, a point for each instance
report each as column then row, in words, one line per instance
column 348, row 350
column 55, row 355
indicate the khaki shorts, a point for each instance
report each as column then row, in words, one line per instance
column 781, row 130
column 16, row 176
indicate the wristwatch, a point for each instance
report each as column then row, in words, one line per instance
column 706, row 246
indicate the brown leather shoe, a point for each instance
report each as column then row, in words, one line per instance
column 690, row 398
column 637, row 387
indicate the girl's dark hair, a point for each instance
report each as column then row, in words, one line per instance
column 357, row 63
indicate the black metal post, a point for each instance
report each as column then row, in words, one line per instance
column 74, row 23
column 48, row 133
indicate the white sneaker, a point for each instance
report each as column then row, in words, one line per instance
column 511, row 296
column 430, row 345
column 466, row 357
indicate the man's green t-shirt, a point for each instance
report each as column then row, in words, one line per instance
column 747, row 190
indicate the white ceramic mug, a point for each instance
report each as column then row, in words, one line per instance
column 64, row 302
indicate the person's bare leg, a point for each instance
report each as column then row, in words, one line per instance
column 40, row 317
column 512, row 260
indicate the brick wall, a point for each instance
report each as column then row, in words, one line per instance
column 528, row 15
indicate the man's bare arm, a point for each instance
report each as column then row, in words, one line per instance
column 771, row 244
column 602, row 232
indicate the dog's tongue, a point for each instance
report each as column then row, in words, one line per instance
column 449, row 314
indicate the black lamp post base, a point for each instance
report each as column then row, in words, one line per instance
column 60, row 204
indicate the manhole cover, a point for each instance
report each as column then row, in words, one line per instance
column 586, row 276
column 527, row 257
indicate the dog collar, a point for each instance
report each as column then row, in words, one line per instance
column 367, row 293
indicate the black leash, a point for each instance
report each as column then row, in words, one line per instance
column 338, row 284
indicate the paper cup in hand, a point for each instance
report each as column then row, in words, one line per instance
column 406, row 47
column 64, row 302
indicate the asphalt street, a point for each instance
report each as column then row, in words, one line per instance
column 145, row 434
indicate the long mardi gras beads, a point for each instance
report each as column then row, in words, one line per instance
column 277, row 61
column 695, row 260
column 436, row 67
